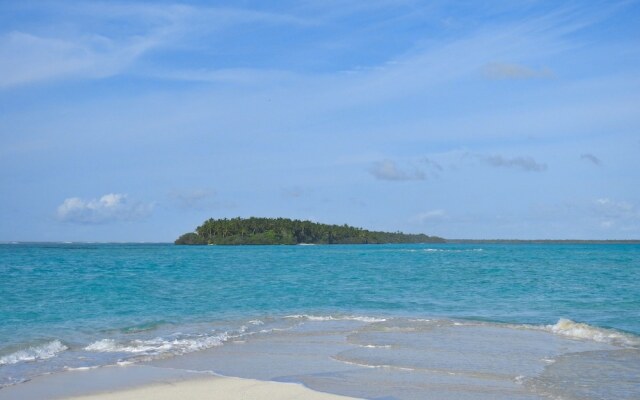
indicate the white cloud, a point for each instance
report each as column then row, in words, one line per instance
column 622, row 215
column 108, row 208
column 387, row 170
column 617, row 209
column 606, row 224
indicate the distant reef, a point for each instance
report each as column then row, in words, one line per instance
column 240, row 231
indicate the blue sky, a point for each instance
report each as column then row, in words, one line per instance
column 136, row 121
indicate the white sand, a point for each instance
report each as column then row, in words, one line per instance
column 216, row 388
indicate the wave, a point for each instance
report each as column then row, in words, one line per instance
column 372, row 365
column 34, row 353
column 430, row 250
column 159, row 345
column 435, row 250
column 336, row 318
column 577, row 330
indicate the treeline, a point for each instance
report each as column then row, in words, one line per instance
column 238, row 231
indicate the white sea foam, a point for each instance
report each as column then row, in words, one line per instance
column 158, row 345
column 82, row 368
column 336, row 318
column 34, row 353
column 430, row 250
column 363, row 364
column 577, row 330
column 272, row 330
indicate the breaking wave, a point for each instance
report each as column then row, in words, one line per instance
column 159, row 345
column 436, row 250
column 34, row 353
column 336, row 318
column 578, row 330
column 430, row 250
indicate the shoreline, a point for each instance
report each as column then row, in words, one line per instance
column 357, row 357
column 147, row 382
column 214, row 387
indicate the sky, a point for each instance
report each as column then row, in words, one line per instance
column 136, row 121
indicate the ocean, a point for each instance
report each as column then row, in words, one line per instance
column 449, row 321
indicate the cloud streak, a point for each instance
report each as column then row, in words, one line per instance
column 514, row 71
column 617, row 209
column 94, row 51
column 388, row 170
column 27, row 58
column 108, row 208
column 522, row 163
column 615, row 213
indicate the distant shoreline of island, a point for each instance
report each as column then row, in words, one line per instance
column 269, row 231
column 274, row 231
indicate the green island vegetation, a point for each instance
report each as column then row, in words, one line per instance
column 239, row 231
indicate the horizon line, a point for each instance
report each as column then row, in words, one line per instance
column 447, row 240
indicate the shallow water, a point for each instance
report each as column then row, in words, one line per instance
column 461, row 321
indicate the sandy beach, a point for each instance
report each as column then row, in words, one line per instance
column 215, row 388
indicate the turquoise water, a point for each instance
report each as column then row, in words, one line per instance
column 76, row 305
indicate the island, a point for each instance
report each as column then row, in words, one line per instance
column 268, row 231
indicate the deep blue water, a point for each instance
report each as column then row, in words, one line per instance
column 58, row 299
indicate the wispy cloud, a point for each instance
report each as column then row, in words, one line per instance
column 27, row 58
column 432, row 165
column 617, row 209
column 522, row 163
column 95, row 50
column 429, row 216
column 388, row 170
column 431, row 168
column 591, row 158
column 514, row 71
column 238, row 76
column 616, row 213
column 108, row 208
